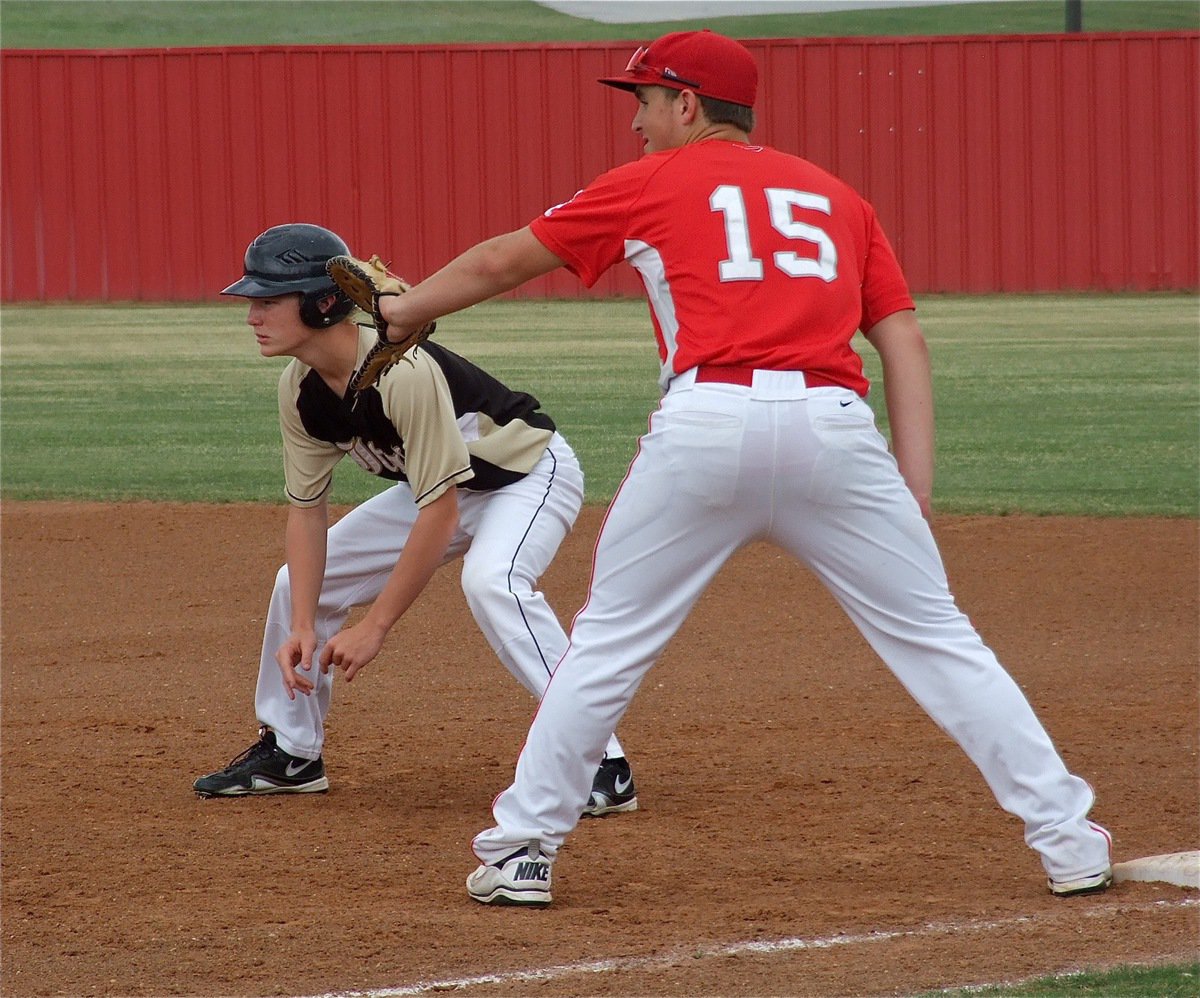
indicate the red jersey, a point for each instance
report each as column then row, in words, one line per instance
column 750, row 257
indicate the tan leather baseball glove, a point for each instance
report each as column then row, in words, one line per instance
column 365, row 282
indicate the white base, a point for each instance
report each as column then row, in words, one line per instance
column 1179, row 868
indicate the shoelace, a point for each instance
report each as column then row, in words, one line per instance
column 260, row 749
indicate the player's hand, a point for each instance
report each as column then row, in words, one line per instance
column 294, row 654
column 390, row 309
column 352, row 648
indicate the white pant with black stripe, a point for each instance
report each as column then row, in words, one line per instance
column 506, row 539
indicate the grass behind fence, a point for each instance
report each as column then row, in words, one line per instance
column 1046, row 404
column 141, row 23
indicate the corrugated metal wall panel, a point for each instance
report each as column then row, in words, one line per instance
column 913, row 230
column 1179, row 162
column 850, row 97
column 215, row 223
column 84, row 192
column 981, row 190
column 1009, row 163
column 20, row 192
column 15, row 169
column 1011, row 135
column 1143, row 175
column 1043, row 143
column 945, row 198
column 55, row 179
column 115, row 230
column 148, row 191
column 884, row 148
column 1111, row 176
column 390, row 136
column 1080, row 205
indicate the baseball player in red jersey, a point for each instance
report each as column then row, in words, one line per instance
column 759, row 268
column 477, row 472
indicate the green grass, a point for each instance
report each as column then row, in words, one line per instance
column 159, row 23
column 1046, row 404
column 1172, row 981
column 1066, row 404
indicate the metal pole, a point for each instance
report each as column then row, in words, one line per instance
column 1074, row 15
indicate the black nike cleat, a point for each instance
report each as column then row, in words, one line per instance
column 612, row 790
column 265, row 768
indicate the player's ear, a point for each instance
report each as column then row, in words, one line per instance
column 687, row 106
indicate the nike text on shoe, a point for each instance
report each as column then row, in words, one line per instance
column 265, row 768
column 612, row 790
column 522, row 879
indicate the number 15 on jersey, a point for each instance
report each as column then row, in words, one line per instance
column 743, row 265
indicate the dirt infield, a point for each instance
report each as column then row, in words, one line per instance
column 804, row 829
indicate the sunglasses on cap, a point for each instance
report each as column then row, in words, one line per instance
column 636, row 65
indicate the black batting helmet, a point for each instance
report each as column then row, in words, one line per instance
column 290, row 259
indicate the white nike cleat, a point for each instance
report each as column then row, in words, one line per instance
column 522, row 879
column 1090, row 883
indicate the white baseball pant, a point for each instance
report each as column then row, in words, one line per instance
column 723, row 465
column 506, row 539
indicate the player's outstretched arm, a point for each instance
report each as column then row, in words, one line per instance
column 482, row 272
column 908, row 390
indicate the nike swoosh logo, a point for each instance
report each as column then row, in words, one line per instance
column 844, row 404
column 295, row 767
column 622, row 788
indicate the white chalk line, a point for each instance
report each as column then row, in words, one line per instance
column 699, row 952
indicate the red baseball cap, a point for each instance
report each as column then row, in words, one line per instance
column 708, row 63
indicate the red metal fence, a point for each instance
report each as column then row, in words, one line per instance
column 1013, row 163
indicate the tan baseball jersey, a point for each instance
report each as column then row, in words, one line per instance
column 437, row 422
